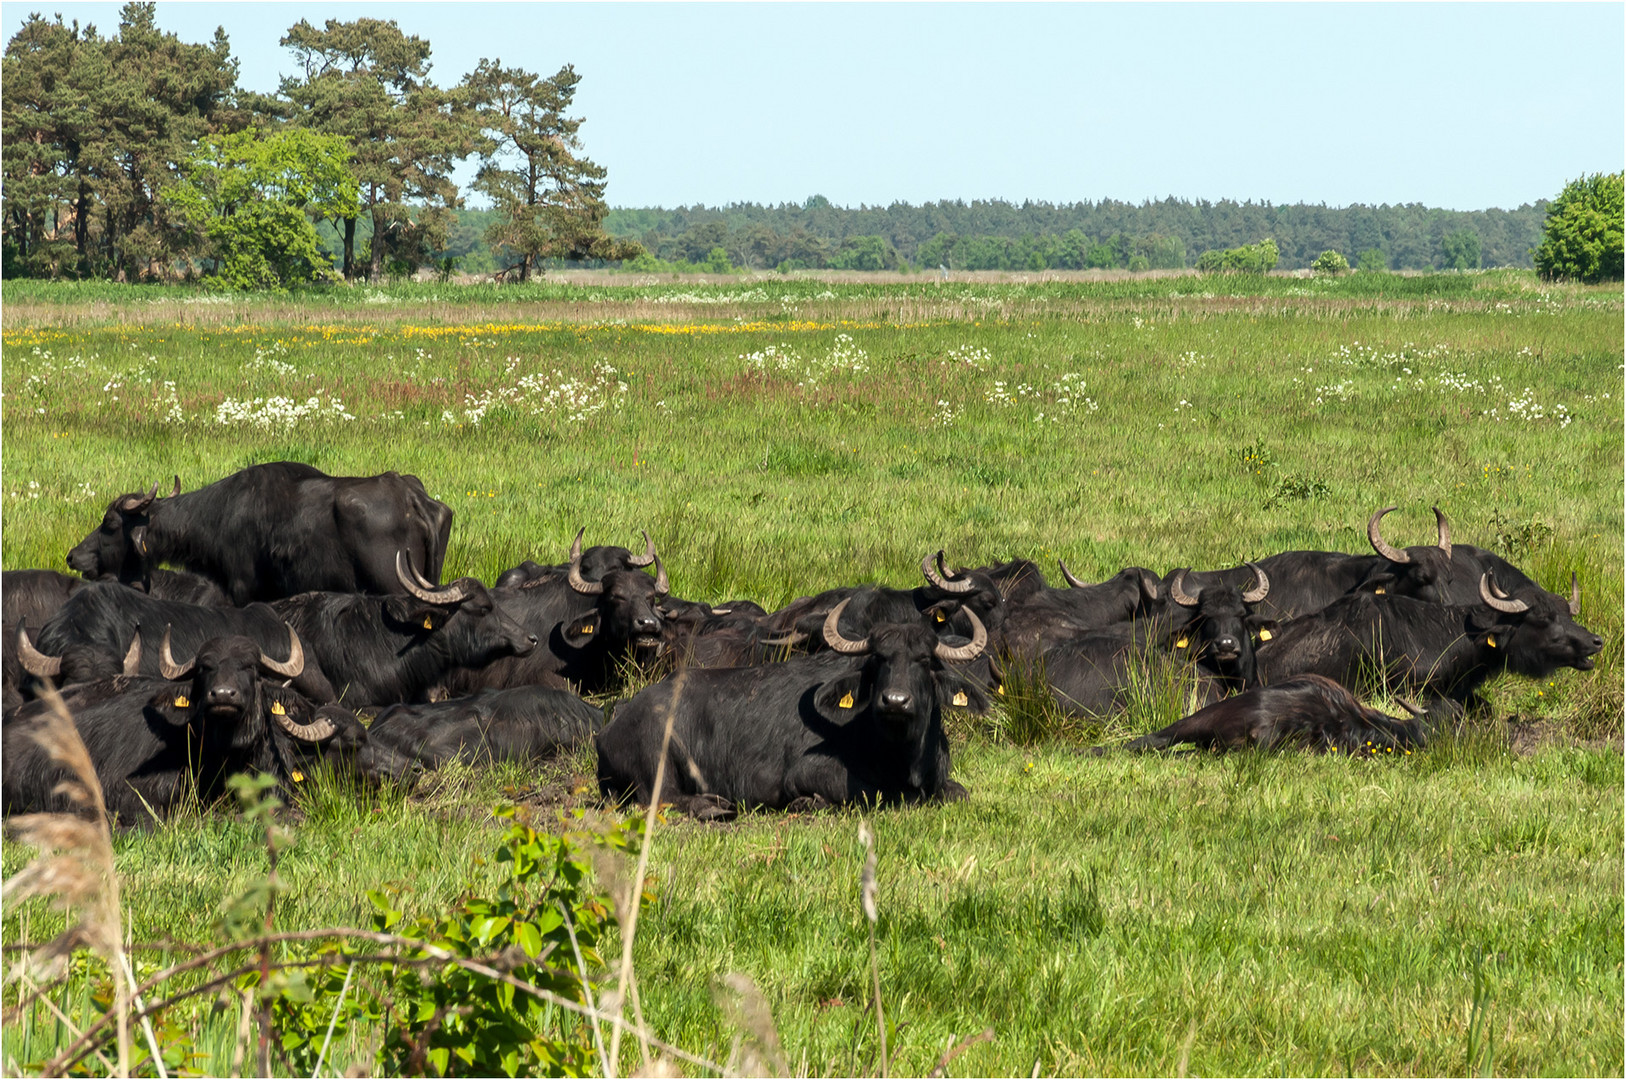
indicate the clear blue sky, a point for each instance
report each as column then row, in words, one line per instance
column 1463, row 106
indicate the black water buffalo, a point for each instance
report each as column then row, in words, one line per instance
column 1441, row 651
column 92, row 634
column 1106, row 671
column 523, row 724
column 1047, row 617
column 1216, row 628
column 27, row 669
column 1306, row 711
column 1301, row 582
column 596, row 561
column 1441, row 573
column 1017, row 579
column 160, row 741
column 32, row 596
column 946, row 599
column 734, row 634
column 274, row 530
column 861, row 722
column 380, row 650
column 588, row 629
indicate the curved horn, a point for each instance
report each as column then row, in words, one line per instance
column 1444, row 526
column 1177, row 592
column 33, row 661
column 172, row 494
column 131, row 503
column 1261, row 587
column 832, row 634
column 132, row 656
column 795, row 637
column 1511, row 607
column 971, row 650
column 1394, row 555
column 291, row 667
column 167, row 667
column 662, row 585
column 418, row 577
column 1575, row 597
column 317, row 730
column 1410, row 707
column 649, row 552
column 939, row 577
column 1149, row 584
column 577, row 582
column 1072, row 582
column 452, row 594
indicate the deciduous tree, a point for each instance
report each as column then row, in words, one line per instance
column 1583, row 235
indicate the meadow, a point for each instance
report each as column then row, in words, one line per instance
column 1458, row 910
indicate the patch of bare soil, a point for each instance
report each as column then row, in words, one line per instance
column 1527, row 734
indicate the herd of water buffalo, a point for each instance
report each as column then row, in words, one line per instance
column 306, row 599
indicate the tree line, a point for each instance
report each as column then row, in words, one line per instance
column 998, row 235
column 136, row 156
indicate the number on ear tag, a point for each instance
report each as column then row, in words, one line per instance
column 588, row 629
column 182, row 703
column 961, row 699
column 846, row 701
column 277, row 709
column 1379, row 590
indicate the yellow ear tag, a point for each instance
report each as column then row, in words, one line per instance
column 846, row 701
column 1000, row 689
column 428, row 624
column 961, row 699
column 277, row 709
column 182, row 703
column 1379, row 590
column 587, row 629
column 1180, row 644
column 940, row 617
column 1264, row 635
column 1490, row 640
column 299, row 777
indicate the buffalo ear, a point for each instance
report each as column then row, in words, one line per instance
column 941, row 612
column 1263, row 628
column 580, row 631
column 171, row 705
column 1378, row 584
column 414, row 612
column 841, row 699
column 954, row 691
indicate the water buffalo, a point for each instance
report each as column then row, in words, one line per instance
column 157, row 742
column 523, row 724
column 273, row 530
column 861, row 722
column 1306, row 711
column 1441, row 651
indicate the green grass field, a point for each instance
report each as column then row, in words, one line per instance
column 1459, row 910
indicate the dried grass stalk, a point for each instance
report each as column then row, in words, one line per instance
column 75, row 867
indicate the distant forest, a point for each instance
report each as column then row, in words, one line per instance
column 997, row 235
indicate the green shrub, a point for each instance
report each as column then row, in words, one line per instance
column 1330, row 262
column 1582, row 238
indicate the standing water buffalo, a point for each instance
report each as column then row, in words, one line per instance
column 861, row 722
column 274, row 530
